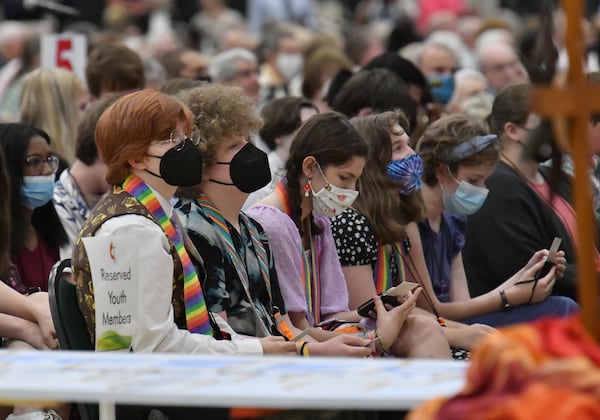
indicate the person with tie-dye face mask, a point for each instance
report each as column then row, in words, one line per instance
column 325, row 163
column 371, row 236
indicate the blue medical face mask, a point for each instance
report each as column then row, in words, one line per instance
column 442, row 86
column 466, row 200
column 37, row 191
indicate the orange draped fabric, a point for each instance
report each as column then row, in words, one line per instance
column 549, row 369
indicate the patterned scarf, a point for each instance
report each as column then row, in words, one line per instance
column 220, row 224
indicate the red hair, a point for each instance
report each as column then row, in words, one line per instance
column 126, row 129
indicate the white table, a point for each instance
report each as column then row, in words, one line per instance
column 262, row 382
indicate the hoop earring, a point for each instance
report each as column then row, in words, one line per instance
column 307, row 188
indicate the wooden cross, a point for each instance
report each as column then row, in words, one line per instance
column 569, row 107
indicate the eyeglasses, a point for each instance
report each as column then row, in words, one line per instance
column 37, row 163
column 177, row 142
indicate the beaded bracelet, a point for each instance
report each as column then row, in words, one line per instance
column 378, row 344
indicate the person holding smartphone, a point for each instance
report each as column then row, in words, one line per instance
column 458, row 156
column 527, row 204
column 243, row 283
column 326, row 159
column 371, row 238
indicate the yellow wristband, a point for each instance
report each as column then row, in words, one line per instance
column 304, row 349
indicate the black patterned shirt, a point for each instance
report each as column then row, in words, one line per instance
column 356, row 243
column 223, row 289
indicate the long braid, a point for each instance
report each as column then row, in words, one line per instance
column 294, row 193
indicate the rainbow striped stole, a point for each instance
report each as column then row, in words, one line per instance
column 383, row 272
column 196, row 313
column 311, row 281
column 220, row 224
column 282, row 194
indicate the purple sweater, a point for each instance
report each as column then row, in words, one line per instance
column 286, row 246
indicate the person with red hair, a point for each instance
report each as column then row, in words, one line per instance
column 144, row 139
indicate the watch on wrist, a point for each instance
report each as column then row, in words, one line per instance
column 32, row 290
column 505, row 303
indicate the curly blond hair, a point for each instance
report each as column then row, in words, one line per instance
column 221, row 114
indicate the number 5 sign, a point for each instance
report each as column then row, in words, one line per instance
column 67, row 51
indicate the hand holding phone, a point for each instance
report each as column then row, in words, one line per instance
column 549, row 263
column 390, row 297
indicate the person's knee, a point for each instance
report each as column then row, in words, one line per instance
column 422, row 336
column 18, row 345
column 425, row 325
column 565, row 305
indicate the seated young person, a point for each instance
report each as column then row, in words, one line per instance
column 241, row 284
column 25, row 321
column 371, row 237
column 527, row 215
column 326, row 159
column 144, row 140
column 21, row 318
column 458, row 157
column 36, row 233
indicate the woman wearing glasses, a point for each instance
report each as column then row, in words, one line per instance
column 25, row 321
column 36, row 230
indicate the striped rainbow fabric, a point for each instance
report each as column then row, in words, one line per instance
column 196, row 313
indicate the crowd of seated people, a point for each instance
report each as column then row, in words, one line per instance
column 278, row 167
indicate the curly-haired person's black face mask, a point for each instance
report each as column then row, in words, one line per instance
column 249, row 169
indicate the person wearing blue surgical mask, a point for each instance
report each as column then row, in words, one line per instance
column 326, row 160
column 25, row 321
column 458, row 156
column 529, row 203
column 438, row 63
column 371, row 236
column 36, row 230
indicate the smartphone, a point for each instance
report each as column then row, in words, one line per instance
column 549, row 263
column 389, row 296
column 331, row 324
